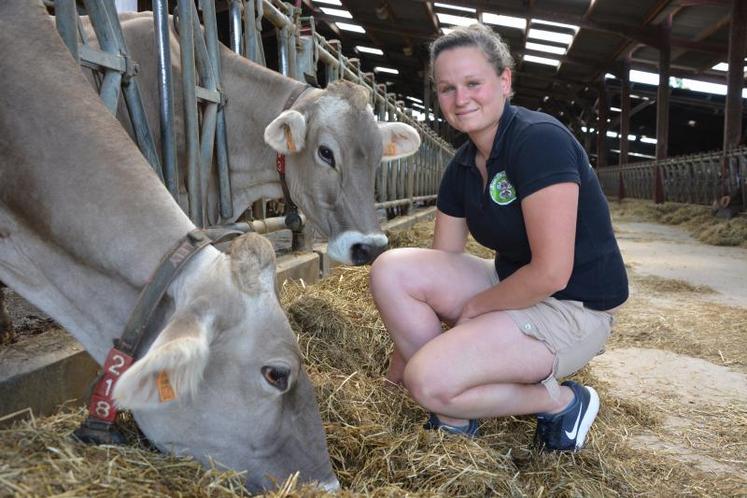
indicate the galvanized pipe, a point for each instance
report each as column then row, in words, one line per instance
column 221, row 135
column 166, row 101
column 189, row 82
column 66, row 21
column 234, row 14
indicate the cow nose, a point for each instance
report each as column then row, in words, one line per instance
column 365, row 253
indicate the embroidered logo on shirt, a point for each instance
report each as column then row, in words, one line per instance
column 501, row 190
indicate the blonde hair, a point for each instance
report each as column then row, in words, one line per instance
column 477, row 35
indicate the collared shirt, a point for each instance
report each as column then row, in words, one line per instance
column 531, row 151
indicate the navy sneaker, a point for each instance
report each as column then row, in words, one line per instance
column 469, row 430
column 567, row 430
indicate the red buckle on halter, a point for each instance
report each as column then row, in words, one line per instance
column 101, row 405
column 280, row 163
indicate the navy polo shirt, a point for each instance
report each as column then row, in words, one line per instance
column 531, row 151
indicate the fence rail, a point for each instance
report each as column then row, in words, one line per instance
column 302, row 53
column 695, row 179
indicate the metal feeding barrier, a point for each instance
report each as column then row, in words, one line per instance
column 694, row 179
column 400, row 184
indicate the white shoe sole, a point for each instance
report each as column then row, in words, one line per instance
column 591, row 413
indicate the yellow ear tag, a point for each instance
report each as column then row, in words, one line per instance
column 391, row 149
column 165, row 391
column 289, row 140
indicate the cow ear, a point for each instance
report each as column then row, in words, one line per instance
column 253, row 263
column 400, row 140
column 172, row 368
column 287, row 132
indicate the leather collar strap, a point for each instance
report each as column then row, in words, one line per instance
column 292, row 219
column 97, row 428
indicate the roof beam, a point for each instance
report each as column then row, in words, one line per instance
column 647, row 35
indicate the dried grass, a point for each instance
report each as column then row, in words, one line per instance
column 698, row 220
column 374, row 430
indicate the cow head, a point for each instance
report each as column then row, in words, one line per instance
column 333, row 146
column 229, row 359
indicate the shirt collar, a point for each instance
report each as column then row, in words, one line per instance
column 465, row 156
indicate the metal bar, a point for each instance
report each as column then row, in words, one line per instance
column 221, row 135
column 208, row 73
column 234, row 14
column 662, row 107
column 404, row 202
column 66, row 21
column 186, row 35
column 99, row 60
column 283, row 58
column 166, row 101
column 143, row 137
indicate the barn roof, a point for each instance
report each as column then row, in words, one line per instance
column 586, row 39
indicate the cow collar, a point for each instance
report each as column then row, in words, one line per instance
column 98, row 427
column 292, row 218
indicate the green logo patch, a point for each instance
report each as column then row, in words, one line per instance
column 501, row 190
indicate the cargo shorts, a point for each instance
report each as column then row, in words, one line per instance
column 573, row 333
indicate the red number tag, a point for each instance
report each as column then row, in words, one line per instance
column 101, row 405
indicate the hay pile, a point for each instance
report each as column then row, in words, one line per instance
column 698, row 220
column 376, row 442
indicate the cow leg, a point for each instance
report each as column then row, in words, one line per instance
column 6, row 327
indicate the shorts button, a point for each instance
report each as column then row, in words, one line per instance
column 527, row 326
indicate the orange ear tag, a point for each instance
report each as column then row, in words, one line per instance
column 391, row 149
column 289, row 140
column 165, row 391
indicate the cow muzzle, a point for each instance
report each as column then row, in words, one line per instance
column 355, row 248
column 362, row 254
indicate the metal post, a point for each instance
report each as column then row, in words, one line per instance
column 66, row 20
column 662, row 106
column 189, row 83
column 602, row 109
column 112, row 82
column 624, row 125
column 234, row 13
column 166, row 92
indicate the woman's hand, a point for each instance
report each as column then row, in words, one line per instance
column 469, row 311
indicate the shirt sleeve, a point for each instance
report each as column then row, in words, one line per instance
column 545, row 154
column 451, row 191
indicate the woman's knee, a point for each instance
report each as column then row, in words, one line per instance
column 427, row 385
column 390, row 270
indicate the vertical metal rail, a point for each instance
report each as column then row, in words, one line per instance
column 189, row 84
column 166, row 101
column 214, row 76
column 234, row 14
column 113, row 60
column 66, row 21
column 112, row 82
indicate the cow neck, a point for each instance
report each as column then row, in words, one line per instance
column 99, row 425
column 292, row 219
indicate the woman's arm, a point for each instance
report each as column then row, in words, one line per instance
column 550, row 218
column 450, row 233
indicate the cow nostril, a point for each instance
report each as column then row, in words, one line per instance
column 360, row 254
column 365, row 253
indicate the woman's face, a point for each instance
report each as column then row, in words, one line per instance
column 470, row 93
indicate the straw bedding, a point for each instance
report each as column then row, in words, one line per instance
column 376, row 442
column 698, row 220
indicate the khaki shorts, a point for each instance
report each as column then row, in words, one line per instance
column 573, row 333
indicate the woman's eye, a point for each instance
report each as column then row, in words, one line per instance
column 326, row 155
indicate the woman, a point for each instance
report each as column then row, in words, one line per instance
column 521, row 185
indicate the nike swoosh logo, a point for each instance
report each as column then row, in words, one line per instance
column 572, row 434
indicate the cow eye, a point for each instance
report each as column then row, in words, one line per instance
column 326, row 155
column 277, row 377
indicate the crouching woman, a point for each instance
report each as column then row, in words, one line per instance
column 521, row 185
